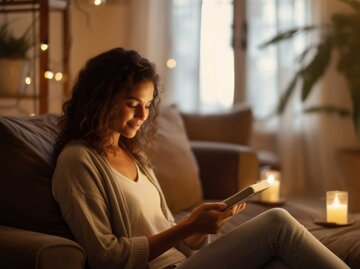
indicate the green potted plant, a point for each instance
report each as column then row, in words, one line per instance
column 341, row 35
column 13, row 60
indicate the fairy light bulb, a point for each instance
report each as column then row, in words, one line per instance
column 28, row 80
column 49, row 75
column 44, row 46
column 59, row 76
column 171, row 63
column 98, row 2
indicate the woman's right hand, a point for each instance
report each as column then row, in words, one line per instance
column 207, row 218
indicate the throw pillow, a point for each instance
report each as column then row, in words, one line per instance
column 174, row 163
column 26, row 165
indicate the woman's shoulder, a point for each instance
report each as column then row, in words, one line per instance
column 76, row 151
column 76, row 146
column 77, row 171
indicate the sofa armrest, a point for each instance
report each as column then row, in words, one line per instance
column 26, row 249
column 224, row 168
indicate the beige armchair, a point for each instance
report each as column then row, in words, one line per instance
column 234, row 127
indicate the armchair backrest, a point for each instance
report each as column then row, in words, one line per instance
column 228, row 127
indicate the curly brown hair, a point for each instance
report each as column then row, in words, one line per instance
column 91, row 110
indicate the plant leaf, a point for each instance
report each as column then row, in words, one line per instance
column 11, row 46
column 316, row 68
column 343, row 112
column 286, row 35
column 287, row 94
column 302, row 55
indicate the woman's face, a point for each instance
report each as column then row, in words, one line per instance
column 134, row 109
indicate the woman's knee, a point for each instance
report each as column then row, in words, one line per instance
column 278, row 215
column 282, row 225
column 279, row 212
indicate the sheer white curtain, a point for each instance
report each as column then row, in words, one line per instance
column 306, row 143
column 201, row 45
column 149, row 33
column 216, row 56
column 185, row 21
column 196, row 35
column 268, row 71
column 326, row 133
column 164, row 30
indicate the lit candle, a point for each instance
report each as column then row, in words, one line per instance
column 337, row 207
column 272, row 194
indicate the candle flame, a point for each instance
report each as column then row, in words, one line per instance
column 336, row 201
column 270, row 179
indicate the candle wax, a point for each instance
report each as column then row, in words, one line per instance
column 337, row 213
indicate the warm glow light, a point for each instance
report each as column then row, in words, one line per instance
column 32, row 114
column 270, row 179
column 44, row 46
column 28, row 80
column 337, row 207
column 98, row 2
column 58, row 76
column 336, row 202
column 49, row 75
column 272, row 194
column 216, row 55
column 171, row 63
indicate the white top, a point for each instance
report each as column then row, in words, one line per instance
column 144, row 209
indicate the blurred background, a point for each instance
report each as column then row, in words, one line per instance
column 209, row 57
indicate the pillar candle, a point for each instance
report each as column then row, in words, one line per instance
column 272, row 194
column 337, row 207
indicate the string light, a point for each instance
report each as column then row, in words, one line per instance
column 49, row 75
column 44, row 46
column 98, row 2
column 28, row 80
column 171, row 63
column 58, row 76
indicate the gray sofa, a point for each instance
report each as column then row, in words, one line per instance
column 34, row 235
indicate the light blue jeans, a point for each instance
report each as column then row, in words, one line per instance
column 273, row 239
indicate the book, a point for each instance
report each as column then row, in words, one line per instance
column 246, row 193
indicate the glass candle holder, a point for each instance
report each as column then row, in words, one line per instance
column 337, row 207
column 272, row 194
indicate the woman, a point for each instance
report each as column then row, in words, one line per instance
column 109, row 196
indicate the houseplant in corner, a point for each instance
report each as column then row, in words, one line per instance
column 13, row 60
column 341, row 36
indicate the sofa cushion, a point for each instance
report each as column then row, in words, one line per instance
column 174, row 162
column 26, row 165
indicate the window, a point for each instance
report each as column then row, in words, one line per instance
column 201, row 45
column 216, row 56
column 269, row 70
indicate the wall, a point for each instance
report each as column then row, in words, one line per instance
column 94, row 30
